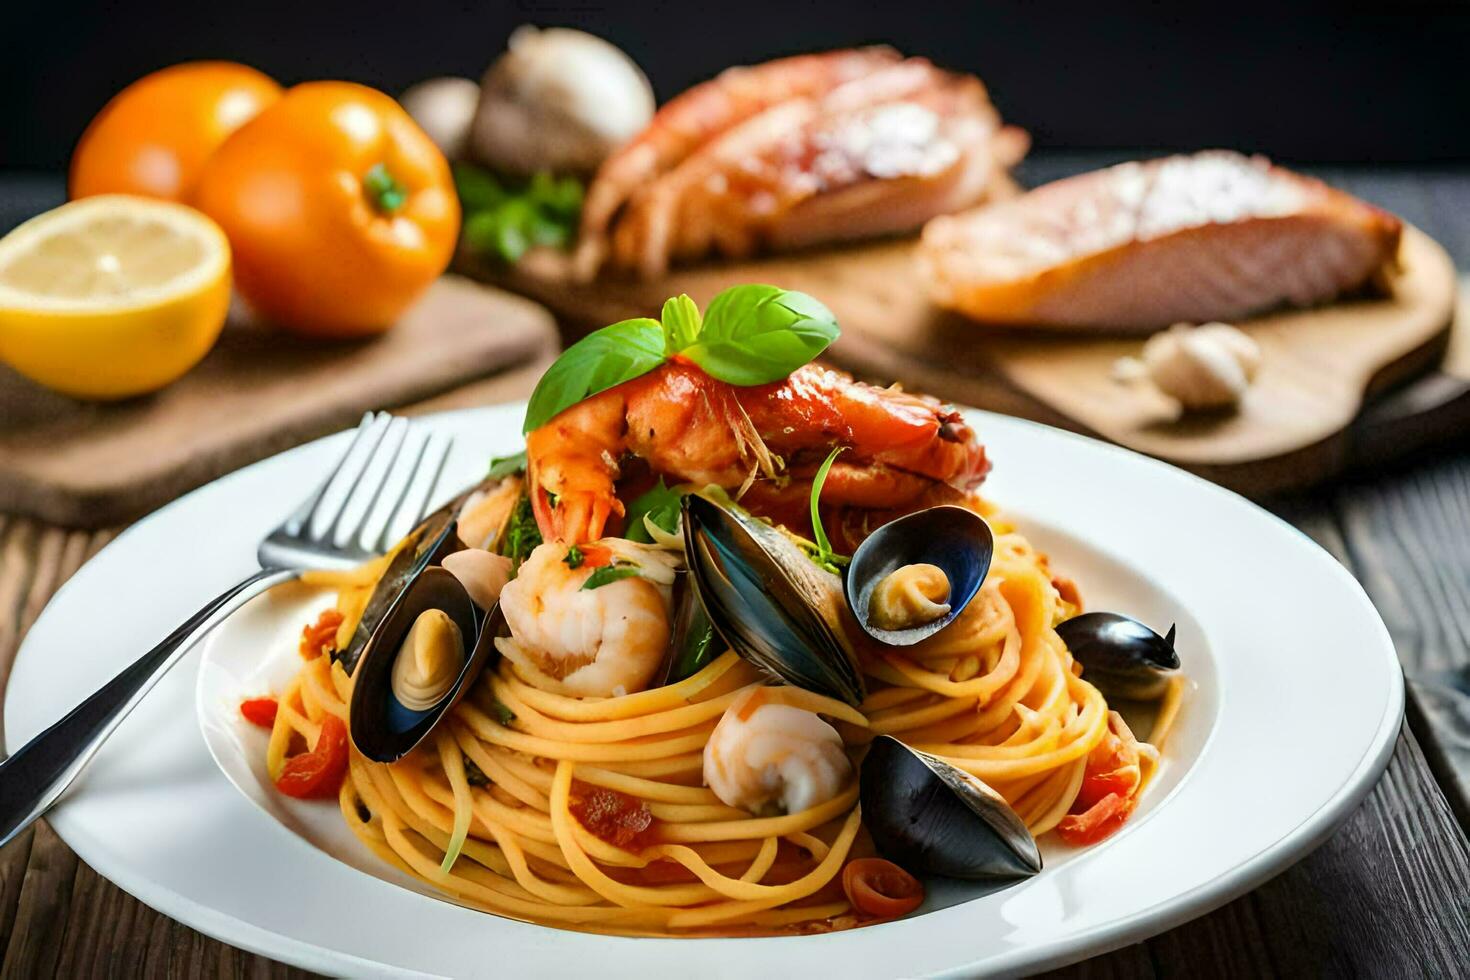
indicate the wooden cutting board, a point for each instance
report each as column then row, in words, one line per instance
column 1292, row 430
column 259, row 391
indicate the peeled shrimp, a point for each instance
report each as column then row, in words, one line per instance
column 774, row 758
column 601, row 642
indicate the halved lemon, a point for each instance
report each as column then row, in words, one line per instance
column 113, row 295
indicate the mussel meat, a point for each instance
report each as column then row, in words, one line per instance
column 768, row 600
column 954, row 540
column 1120, row 656
column 932, row 818
column 383, row 727
column 427, row 544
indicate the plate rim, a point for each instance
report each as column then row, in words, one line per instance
column 1159, row 916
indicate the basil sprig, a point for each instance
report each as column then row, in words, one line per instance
column 750, row 335
column 660, row 505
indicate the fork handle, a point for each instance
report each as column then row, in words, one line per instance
column 38, row 773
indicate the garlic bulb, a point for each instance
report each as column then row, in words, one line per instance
column 444, row 109
column 558, row 100
column 1209, row 366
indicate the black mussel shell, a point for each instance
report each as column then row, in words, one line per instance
column 769, row 601
column 931, row 818
column 425, row 545
column 955, row 539
column 1120, row 656
column 382, row 728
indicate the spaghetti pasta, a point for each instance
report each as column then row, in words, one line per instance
column 592, row 813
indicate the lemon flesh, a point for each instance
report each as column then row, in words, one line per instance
column 113, row 295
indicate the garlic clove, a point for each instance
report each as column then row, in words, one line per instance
column 1204, row 367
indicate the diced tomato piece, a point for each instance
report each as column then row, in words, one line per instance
column 1098, row 821
column 321, row 636
column 881, row 889
column 621, row 820
column 1096, row 785
column 318, row 774
column 259, row 711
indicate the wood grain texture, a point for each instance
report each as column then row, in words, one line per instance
column 258, row 392
column 1319, row 364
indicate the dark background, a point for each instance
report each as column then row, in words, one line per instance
column 1367, row 83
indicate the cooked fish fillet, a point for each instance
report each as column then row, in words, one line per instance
column 879, row 154
column 1212, row 236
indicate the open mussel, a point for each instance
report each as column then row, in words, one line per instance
column 429, row 646
column 1120, row 656
column 768, row 600
column 936, row 558
column 931, row 818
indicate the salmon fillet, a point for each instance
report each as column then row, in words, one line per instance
column 1139, row 246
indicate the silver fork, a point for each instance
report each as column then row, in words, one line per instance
column 38, row 773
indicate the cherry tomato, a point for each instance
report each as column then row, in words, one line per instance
column 339, row 209
column 1112, row 767
column 259, row 711
column 1098, row 821
column 881, row 889
column 318, row 774
column 154, row 136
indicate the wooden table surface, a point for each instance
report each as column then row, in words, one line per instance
column 1387, row 895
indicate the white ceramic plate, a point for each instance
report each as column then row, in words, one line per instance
column 1295, row 701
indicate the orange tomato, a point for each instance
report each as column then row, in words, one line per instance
column 339, row 209
column 154, row 136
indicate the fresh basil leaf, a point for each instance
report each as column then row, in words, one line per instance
column 660, row 505
column 521, row 535
column 608, row 574
column 597, row 362
column 681, row 322
column 504, row 466
column 756, row 334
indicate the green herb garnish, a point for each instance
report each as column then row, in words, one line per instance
column 608, row 574
column 504, row 466
column 659, row 505
column 473, row 774
column 503, row 219
column 823, row 554
column 502, row 714
column 574, row 558
column 521, row 533
column 749, row 335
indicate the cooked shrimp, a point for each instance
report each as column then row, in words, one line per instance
column 688, row 121
column 691, row 428
column 774, row 758
column 601, row 642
